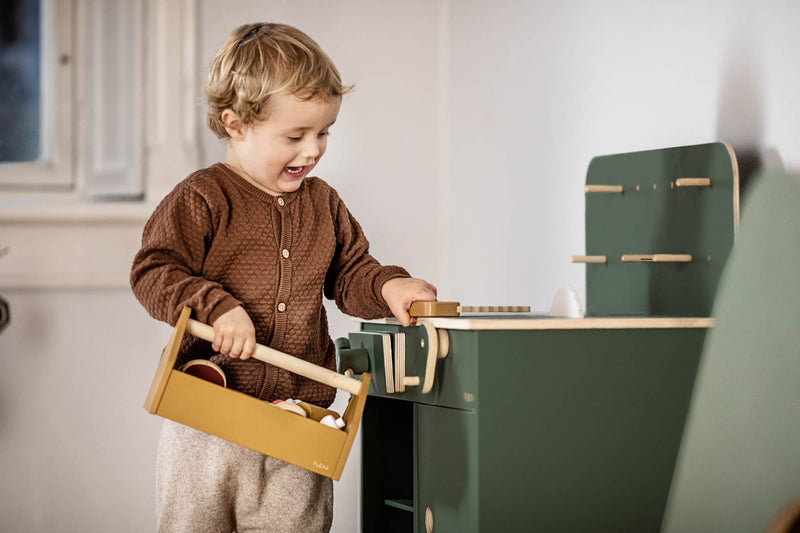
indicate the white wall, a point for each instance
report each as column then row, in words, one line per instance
column 462, row 152
column 77, row 449
column 539, row 88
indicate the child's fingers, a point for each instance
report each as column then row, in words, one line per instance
column 232, row 330
column 226, row 344
column 236, row 347
column 425, row 292
column 403, row 316
column 249, row 347
column 428, row 291
column 400, row 293
column 422, row 291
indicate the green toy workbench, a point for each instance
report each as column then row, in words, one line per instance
column 520, row 422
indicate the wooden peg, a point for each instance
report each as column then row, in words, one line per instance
column 693, row 182
column 589, row 259
column 604, row 188
column 656, row 258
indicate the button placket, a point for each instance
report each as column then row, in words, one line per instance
column 285, row 275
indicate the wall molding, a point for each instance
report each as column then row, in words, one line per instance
column 68, row 253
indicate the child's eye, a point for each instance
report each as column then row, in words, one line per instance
column 295, row 139
column 324, row 134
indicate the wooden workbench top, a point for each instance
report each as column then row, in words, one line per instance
column 546, row 322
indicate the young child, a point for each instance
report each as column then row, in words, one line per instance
column 251, row 245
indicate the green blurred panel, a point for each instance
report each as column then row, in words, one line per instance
column 654, row 216
column 740, row 457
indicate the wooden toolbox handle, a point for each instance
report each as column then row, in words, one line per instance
column 285, row 361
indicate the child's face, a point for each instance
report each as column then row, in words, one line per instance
column 277, row 153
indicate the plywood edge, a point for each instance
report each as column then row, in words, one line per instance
column 736, row 192
column 544, row 323
column 166, row 363
column 352, row 419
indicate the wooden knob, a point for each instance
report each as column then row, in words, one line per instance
column 428, row 520
column 355, row 358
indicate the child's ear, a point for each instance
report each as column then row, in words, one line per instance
column 233, row 124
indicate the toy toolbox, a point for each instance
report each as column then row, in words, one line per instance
column 251, row 422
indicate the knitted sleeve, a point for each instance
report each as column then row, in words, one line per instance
column 355, row 278
column 167, row 271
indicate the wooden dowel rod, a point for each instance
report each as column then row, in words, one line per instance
column 656, row 258
column 604, row 188
column 285, row 361
column 588, row 259
column 693, row 182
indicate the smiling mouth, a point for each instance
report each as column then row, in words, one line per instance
column 295, row 171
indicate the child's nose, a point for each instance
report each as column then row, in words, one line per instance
column 312, row 149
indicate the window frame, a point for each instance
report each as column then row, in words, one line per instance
column 67, row 236
column 54, row 170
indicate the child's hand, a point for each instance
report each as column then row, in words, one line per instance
column 399, row 294
column 234, row 334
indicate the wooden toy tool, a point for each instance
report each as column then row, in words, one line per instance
column 439, row 309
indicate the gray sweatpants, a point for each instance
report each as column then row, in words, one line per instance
column 207, row 484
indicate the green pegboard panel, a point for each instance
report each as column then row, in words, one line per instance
column 658, row 210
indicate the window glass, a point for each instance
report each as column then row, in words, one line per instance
column 20, row 81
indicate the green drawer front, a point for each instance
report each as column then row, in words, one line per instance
column 455, row 379
column 588, row 422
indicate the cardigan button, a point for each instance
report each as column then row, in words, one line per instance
column 281, row 201
column 281, row 307
column 285, row 253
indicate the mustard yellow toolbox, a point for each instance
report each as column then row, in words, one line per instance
column 253, row 423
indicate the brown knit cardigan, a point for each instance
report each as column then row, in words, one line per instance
column 217, row 241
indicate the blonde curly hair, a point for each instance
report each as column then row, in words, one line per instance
column 262, row 59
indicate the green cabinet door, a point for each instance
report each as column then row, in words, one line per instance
column 446, row 465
